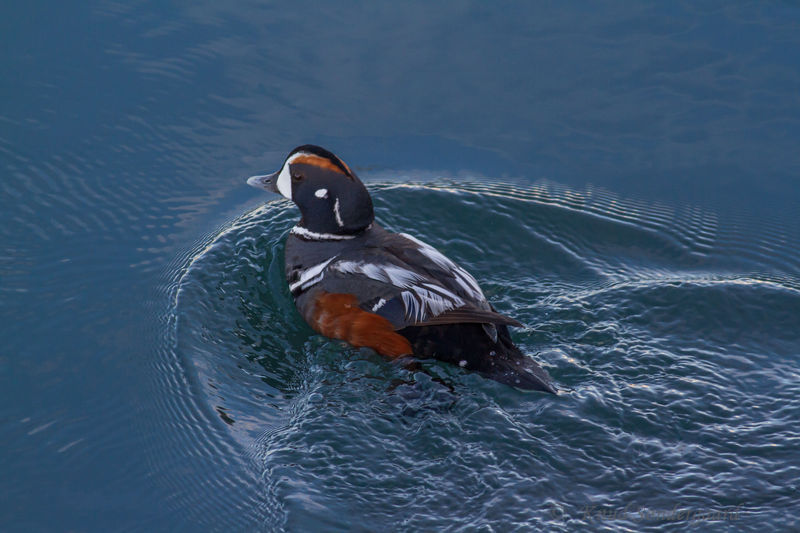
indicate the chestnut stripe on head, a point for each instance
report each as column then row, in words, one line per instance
column 314, row 160
column 312, row 149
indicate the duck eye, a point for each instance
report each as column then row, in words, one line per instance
column 297, row 177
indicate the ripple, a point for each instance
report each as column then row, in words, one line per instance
column 686, row 367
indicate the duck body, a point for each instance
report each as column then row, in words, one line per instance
column 353, row 280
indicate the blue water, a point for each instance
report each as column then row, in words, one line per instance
column 622, row 178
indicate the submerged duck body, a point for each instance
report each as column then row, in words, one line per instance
column 353, row 280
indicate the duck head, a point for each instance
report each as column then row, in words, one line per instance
column 331, row 198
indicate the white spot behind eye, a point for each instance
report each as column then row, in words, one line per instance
column 321, row 193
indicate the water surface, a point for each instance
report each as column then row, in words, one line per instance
column 621, row 179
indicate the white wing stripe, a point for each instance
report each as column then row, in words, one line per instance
column 445, row 292
column 412, row 307
column 310, row 276
column 399, row 277
column 463, row 277
column 421, row 299
column 468, row 282
column 433, row 304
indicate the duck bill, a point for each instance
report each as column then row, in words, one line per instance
column 266, row 182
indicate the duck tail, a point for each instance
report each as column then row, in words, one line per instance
column 514, row 368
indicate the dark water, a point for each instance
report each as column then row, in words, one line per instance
column 621, row 178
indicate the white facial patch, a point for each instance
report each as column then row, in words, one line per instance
column 321, row 193
column 284, row 181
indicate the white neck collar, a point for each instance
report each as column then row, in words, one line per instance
column 314, row 236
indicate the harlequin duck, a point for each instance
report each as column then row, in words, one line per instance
column 355, row 281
